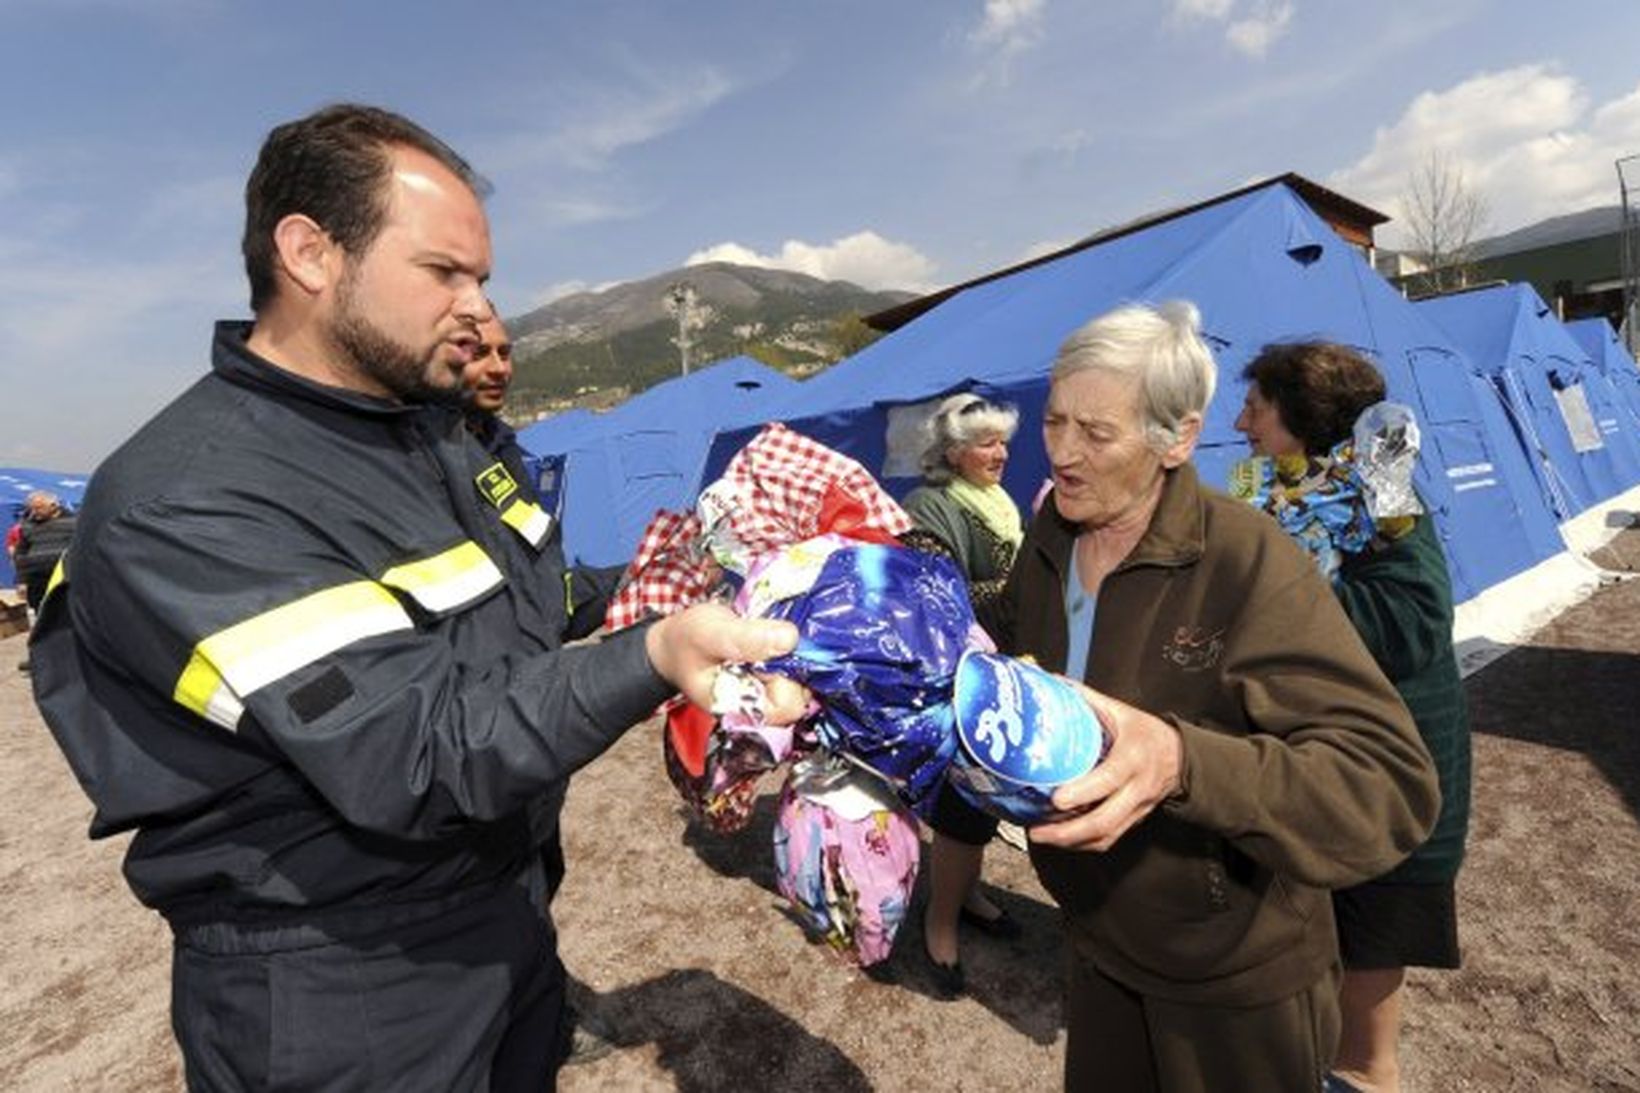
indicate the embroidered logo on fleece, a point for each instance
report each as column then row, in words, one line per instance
column 1194, row 648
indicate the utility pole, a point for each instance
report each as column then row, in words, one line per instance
column 1628, row 185
column 680, row 301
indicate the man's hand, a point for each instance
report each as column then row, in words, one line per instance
column 1141, row 769
column 688, row 648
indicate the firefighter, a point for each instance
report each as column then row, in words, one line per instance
column 306, row 644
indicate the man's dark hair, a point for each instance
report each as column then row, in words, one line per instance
column 332, row 166
column 1318, row 388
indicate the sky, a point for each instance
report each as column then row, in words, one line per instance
column 894, row 143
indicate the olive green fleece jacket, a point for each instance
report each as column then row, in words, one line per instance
column 1302, row 769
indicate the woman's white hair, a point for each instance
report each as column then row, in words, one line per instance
column 1159, row 346
column 958, row 422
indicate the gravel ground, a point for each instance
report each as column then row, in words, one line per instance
column 676, row 938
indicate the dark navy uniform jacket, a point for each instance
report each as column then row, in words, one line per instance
column 306, row 643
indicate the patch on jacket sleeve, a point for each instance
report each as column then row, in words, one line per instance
column 1194, row 648
column 495, row 484
column 318, row 696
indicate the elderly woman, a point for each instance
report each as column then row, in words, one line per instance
column 1258, row 756
column 963, row 512
column 1302, row 401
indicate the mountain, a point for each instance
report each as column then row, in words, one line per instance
column 624, row 339
column 1587, row 224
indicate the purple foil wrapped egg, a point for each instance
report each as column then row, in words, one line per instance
column 881, row 632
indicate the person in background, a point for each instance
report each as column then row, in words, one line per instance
column 1257, row 756
column 43, row 537
column 962, row 512
column 487, row 378
column 307, row 646
column 1302, row 400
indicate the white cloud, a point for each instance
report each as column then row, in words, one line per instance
column 1009, row 22
column 101, row 344
column 609, row 120
column 1189, row 10
column 559, row 211
column 1267, row 21
column 1042, row 249
column 1007, row 29
column 561, row 289
column 642, row 116
column 1258, row 25
column 865, row 258
column 1526, row 139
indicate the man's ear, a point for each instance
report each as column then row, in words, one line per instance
column 1178, row 453
column 307, row 254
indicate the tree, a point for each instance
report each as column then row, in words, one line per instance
column 850, row 334
column 1444, row 218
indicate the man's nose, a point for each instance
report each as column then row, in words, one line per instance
column 472, row 306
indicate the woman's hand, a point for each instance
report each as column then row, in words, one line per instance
column 1141, row 769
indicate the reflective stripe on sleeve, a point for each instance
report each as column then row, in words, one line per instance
column 59, row 574
column 528, row 519
column 231, row 664
column 448, row 580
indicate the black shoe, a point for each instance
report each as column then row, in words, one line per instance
column 1000, row 925
column 949, row 981
column 590, row 1041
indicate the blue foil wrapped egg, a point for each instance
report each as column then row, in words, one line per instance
column 1021, row 733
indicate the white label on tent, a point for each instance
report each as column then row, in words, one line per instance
column 1574, row 409
column 1469, row 469
column 903, row 447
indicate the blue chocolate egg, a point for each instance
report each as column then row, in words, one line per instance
column 1022, row 733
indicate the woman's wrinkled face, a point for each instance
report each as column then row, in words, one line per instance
column 1102, row 467
column 1260, row 422
column 981, row 462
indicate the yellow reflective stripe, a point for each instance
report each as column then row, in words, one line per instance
column 447, row 580
column 527, row 518
column 59, row 574
column 231, row 664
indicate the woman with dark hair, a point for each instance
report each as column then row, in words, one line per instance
column 962, row 512
column 1302, row 401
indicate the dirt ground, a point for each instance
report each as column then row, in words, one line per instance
column 677, row 939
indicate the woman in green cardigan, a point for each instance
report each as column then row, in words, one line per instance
column 1304, row 399
column 962, row 512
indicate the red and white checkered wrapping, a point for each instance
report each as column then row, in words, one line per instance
column 666, row 575
column 789, row 487
column 786, row 488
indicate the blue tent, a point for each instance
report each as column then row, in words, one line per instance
column 619, row 467
column 1262, row 267
column 16, row 483
column 1611, row 357
column 1568, row 415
